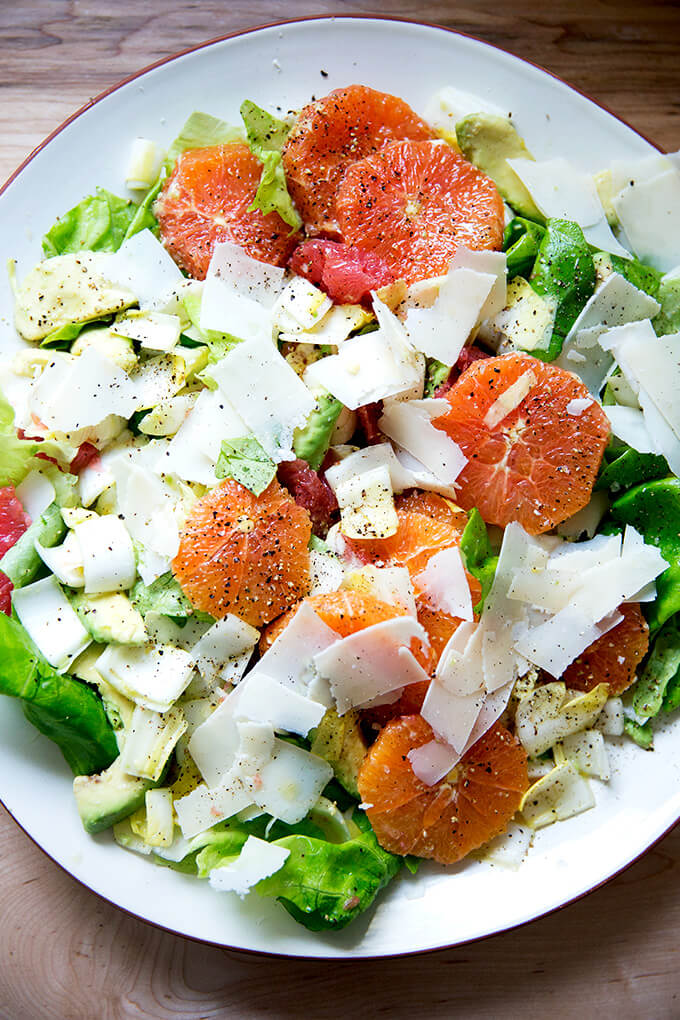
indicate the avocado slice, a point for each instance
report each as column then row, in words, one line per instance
column 105, row 799
column 340, row 742
column 489, row 142
column 110, row 617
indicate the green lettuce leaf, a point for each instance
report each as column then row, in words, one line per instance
column 668, row 319
column 201, row 131
column 98, row 223
column 246, row 462
column 478, row 555
column 266, row 137
column 641, row 733
column 521, row 242
column 163, row 596
column 21, row 562
column 67, row 711
column 16, row 455
column 144, row 218
column 564, row 270
column 660, row 670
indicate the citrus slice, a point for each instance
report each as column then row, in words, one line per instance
column 330, row 134
column 13, row 523
column 206, row 200
column 532, row 460
column 470, row 806
column 347, row 275
column 614, row 657
column 244, row 554
column 414, row 204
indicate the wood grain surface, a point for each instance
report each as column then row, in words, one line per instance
column 67, row 955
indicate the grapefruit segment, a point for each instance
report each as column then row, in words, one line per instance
column 333, row 132
column 444, row 822
column 535, row 464
column 205, row 200
column 414, row 203
column 347, row 275
column 614, row 657
column 244, row 554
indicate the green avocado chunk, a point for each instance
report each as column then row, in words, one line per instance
column 105, row 799
column 340, row 742
column 489, row 142
column 110, row 617
column 21, row 562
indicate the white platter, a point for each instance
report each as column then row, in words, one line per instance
column 281, row 67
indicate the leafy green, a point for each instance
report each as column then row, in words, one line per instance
column 245, row 461
column 661, row 668
column 16, row 455
column 62, row 338
column 201, row 131
column 312, row 441
column 436, row 373
column 21, row 562
column 624, row 467
column 653, row 508
column 477, row 554
column 668, row 319
column 521, row 242
column 266, row 138
column 641, row 733
column 163, row 596
column 671, row 700
column 62, row 708
column 641, row 276
column 98, row 222
column 144, row 218
column 564, row 270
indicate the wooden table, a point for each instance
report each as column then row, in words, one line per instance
column 67, row 955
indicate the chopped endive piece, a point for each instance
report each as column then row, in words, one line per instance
column 117, row 349
column 222, row 653
column 155, row 331
column 509, row 849
column 65, row 560
column 257, row 860
column 610, row 719
column 585, row 750
column 300, row 306
column 153, row 677
column 557, row 796
column 326, row 572
column 336, row 326
column 67, row 289
column 168, row 416
column 203, row 807
column 50, row 621
column 144, row 164
column 367, row 505
column 547, row 716
column 150, row 740
column 160, row 822
column 108, row 554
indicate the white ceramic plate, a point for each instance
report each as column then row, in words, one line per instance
column 282, row 67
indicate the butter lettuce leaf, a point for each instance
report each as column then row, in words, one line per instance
column 16, row 455
column 266, row 138
column 98, row 222
column 201, row 131
column 246, row 462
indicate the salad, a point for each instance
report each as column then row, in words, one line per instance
column 340, row 493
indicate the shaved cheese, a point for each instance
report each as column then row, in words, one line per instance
column 510, row 399
column 153, row 677
column 366, row 505
column 555, row 643
column 154, row 331
column 150, row 739
column 65, row 560
column 257, row 860
column 72, row 395
column 562, row 192
column 663, row 437
column 631, row 172
column 371, row 367
column 94, row 479
column 445, row 584
column 452, row 716
column 289, row 785
column 649, row 212
column 372, row 662
column 441, row 330
column 585, row 521
column 559, row 795
column 493, row 708
column 239, row 293
column 289, row 659
column 203, row 807
column 35, row 494
column 265, row 391
column 388, row 584
column 51, row 623
column 409, row 423
column 652, row 363
column 459, row 668
column 405, row 471
column 300, row 306
column 493, row 262
column 326, row 572
column 146, row 506
column 107, row 554
column 144, row 266
column 629, row 425
column 615, row 302
column 255, row 746
column 193, row 452
column 263, row 699
column 432, row 761
column 223, row 652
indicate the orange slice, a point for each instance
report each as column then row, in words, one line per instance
column 444, row 822
column 206, row 200
column 537, row 465
column 244, row 554
column 414, row 204
column 614, row 657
